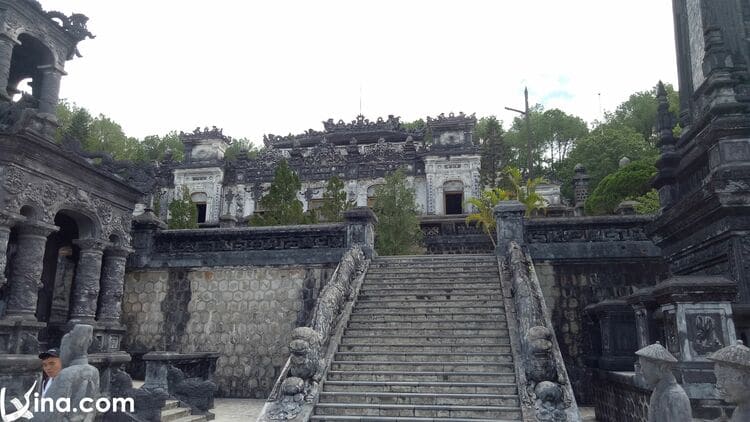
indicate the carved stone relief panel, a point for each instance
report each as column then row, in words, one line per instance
column 705, row 333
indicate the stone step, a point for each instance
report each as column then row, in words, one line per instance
column 425, row 376
column 170, row 404
column 396, row 419
column 439, row 318
column 425, row 332
column 416, row 275
column 409, row 410
column 421, row 340
column 422, row 387
column 384, row 347
column 433, row 311
column 432, row 258
column 375, row 285
column 429, row 293
column 456, row 399
column 434, row 297
column 437, row 303
column 419, row 325
column 435, row 269
column 367, row 366
column 421, row 356
column 174, row 414
column 192, row 418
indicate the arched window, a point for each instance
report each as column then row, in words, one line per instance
column 454, row 197
column 200, row 199
column 371, row 194
column 26, row 62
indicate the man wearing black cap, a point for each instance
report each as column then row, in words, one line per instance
column 51, row 365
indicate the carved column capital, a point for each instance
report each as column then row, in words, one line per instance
column 8, row 219
column 91, row 245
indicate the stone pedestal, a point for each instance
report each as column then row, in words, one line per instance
column 26, row 275
column 18, row 335
column 617, row 329
column 509, row 216
column 86, row 285
column 17, row 374
column 107, row 337
column 227, row 221
column 361, row 223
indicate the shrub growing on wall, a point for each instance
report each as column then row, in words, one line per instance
column 630, row 181
column 182, row 212
column 397, row 231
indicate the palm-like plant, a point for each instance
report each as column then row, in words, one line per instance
column 485, row 204
column 525, row 193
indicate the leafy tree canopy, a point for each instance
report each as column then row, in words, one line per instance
column 397, row 231
column 630, row 181
column 639, row 112
column 280, row 204
column 493, row 149
column 335, row 201
column 182, row 212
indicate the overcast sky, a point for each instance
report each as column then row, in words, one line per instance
column 285, row 66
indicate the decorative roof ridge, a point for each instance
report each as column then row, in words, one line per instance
column 206, row 133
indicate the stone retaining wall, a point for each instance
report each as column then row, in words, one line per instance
column 246, row 313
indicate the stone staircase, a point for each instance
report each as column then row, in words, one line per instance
column 427, row 340
column 172, row 412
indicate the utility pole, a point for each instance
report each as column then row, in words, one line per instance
column 527, row 119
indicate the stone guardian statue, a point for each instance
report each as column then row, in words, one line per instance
column 669, row 402
column 732, row 367
column 77, row 380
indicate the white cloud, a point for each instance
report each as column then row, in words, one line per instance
column 284, row 66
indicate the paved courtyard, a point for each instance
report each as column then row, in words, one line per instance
column 237, row 410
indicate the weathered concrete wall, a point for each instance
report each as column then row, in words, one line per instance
column 246, row 313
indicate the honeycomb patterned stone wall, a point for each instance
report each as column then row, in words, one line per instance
column 246, row 314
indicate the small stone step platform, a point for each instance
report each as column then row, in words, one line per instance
column 427, row 341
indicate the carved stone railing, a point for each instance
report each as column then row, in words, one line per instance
column 315, row 243
column 544, row 387
column 453, row 235
column 312, row 348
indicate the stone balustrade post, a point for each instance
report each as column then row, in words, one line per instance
column 509, row 217
column 26, row 272
column 50, row 88
column 112, row 284
column 86, row 284
column 6, row 53
column 360, row 230
column 145, row 228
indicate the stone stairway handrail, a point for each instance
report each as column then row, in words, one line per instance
column 297, row 389
column 544, row 379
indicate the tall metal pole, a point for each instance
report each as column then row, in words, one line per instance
column 529, row 163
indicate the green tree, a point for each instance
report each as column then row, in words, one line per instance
column 647, row 203
column 183, row 213
column 397, row 231
column 155, row 147
column 553, row 136
column 600, row 153
column 485, row 205
column 335, row 201
column 493, row 149
column 280, row 203
column 630, row 181
column 240, row 147
column 639, row 111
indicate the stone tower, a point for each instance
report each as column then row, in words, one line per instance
column 704, row 176
column 34, row 46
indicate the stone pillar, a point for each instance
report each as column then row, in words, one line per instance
column 50, row 88
column 360, row 230
column 227, row 221
column 112, row 284
column 509, row 216
column 6, row 54
column 86, row 284
column 26, row 274
column 6, row 222
column 145, row 228
column 644, row 305
column 581, row 188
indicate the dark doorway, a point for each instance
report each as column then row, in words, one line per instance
column 201, row 212
column 454, row 203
